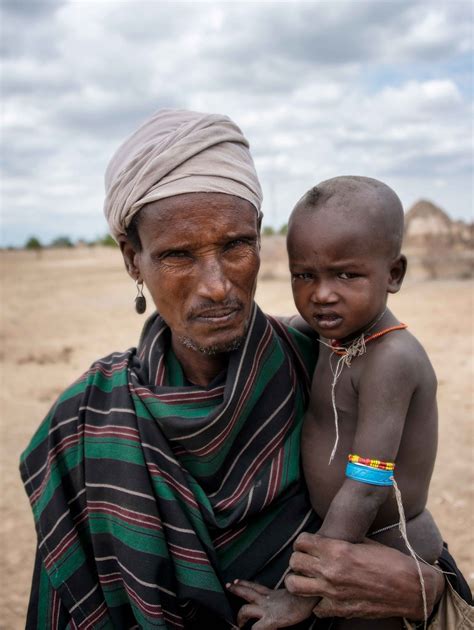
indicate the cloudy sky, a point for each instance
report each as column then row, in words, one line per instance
column 377, row 88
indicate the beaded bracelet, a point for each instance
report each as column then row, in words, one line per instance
column 371, row 471
column 373, row 463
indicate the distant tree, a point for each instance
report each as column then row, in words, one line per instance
column 33, row 243
column 268, row 231
column 62, row 241
column 283, row 230
column 107, row 241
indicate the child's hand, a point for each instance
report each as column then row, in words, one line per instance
column 273, row 609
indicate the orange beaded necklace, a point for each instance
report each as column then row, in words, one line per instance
column 340, row 350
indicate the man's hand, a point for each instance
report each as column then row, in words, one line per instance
column 273, row 609
column 365, row 580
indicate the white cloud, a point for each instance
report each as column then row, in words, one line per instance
column 320, row 89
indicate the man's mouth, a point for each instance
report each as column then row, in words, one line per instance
column 217, row 315
column 327, row 321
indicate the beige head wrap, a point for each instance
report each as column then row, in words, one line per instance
column 177, row 152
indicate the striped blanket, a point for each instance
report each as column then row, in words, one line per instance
column 149, row 493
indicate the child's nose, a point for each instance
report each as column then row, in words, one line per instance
column 323, row 293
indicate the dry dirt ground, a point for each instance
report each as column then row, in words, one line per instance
column 63, row 309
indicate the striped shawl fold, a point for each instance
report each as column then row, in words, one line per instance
column 149, row 493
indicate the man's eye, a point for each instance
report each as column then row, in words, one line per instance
column 174, row 255
column 345, row 275
column 237, row 242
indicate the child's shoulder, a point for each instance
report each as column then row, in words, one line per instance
column 399, row 354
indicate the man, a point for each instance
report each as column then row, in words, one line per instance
column 167, row 470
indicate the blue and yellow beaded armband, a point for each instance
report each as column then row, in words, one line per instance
column 371, row 471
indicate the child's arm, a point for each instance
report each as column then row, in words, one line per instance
column 386, row 387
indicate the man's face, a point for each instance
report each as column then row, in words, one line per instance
column 340, row 277
column 199, row 260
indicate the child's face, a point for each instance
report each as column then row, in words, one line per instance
column 340, row 273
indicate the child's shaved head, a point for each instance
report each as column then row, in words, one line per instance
column 360, row 199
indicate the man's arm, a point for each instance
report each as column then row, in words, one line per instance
column 365, row 580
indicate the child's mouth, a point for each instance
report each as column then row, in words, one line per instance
column 328, row 321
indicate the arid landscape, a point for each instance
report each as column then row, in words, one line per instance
column 61, row 309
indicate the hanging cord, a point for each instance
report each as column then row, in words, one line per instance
column 380, row 473
column 356, row 349
column 402, row 526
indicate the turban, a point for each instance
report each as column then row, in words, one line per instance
column 177, row 152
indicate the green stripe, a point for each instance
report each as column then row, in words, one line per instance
column 143, row 539
column 206, row 465
column 107, row 383
column 44, row 599
column 197, row 575
column 69, row 562
column 199, row 409
column 64, row 463
column 119, row 449
column 307, row 347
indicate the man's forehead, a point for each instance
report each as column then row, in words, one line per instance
column 199, row 202
column 190, row 216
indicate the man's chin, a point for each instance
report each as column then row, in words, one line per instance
column 212, row 349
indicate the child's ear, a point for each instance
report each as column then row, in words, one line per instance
column 398, row 270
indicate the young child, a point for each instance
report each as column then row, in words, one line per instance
column 373, row 399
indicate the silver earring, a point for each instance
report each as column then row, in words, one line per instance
column 140, row 300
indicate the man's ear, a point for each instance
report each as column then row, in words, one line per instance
column 398, row 270
column 130, row 257
column 259, row 227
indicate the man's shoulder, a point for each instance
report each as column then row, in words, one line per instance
column 303, row 343
column 62, row 420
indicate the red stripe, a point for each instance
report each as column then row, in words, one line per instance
column 182, row 490
column 214, row 444
column 178, row 397
column 193, row 555
column 110, row 433
column 63, row 545
column 55, row 611
column 52, row 454
column 160, row 372
column 130, row 516
column 107, row 371
column 254, row 468
column 289, row 339
column 94, row 617
column 154, row 610
column 224, row 539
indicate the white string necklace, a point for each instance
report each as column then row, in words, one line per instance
column 355, row 349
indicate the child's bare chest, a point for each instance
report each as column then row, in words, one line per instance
column 319, row 430
column 344, row 394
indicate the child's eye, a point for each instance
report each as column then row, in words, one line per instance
column 345, row 275
column 302, row 276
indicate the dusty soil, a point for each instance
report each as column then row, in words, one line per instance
column 65, row 308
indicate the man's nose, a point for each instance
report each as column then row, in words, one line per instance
column 213, row 283
column 323, row 292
